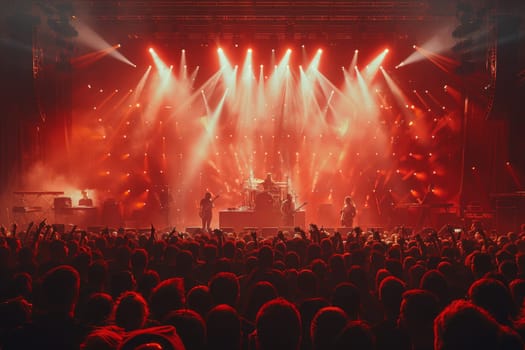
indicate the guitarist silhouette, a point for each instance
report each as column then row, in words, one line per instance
column 288, row 210
column 206, row 210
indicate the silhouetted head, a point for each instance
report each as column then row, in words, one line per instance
column 347, row 296
column 391, row 292
column 463, row 325
column 326, row 325
column 166, row 297
column 131, row 311
column 493, row 296
column 278, row 326
column 97, row 309
column 355, row 335
column 224, row 289
column 223, row 327
column 200, row 300
column 259, row 294
column 58, row 291
column 190, row 326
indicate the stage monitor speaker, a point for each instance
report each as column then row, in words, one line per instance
column 62, row 203
column 192, row 230
column 344, row 230
column 267, row 232
column 286, row 229
column 327, row 215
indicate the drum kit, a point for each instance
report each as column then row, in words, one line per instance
column 260, row 195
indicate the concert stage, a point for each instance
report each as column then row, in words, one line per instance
column 240, row 219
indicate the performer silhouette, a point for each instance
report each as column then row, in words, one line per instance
column 348, row 212
column 206, row 211
column 288, row 211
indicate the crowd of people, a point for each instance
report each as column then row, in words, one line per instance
column 300, row 290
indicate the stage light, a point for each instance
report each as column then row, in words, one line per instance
column 414, row 46
column 118, row 45
column 289, row 50
column 320, row 50
column 508, row 163
column 473, row 168
column 151, row 50
column 387, row 50
column 183, row 50
column 89, row 86
column 249, row 50
column 356, row 51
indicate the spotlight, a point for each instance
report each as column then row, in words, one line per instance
column 387, row 50
column 249, row 50
column 414, row 46
column 150, row 50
